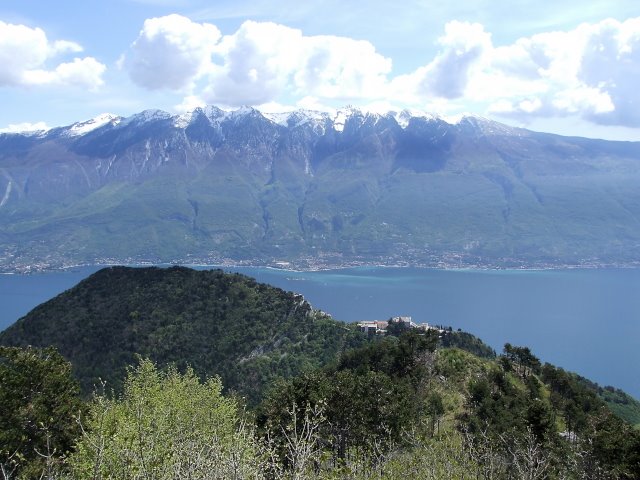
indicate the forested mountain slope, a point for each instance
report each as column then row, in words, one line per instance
column 325, row 400
column 219, row 323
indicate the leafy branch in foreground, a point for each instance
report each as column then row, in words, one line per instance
column 165, row 425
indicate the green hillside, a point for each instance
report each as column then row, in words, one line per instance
column 220, row 324
column 324, row 400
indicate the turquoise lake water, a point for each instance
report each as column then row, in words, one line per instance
column 585, row 320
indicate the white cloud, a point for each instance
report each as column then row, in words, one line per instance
column 189, row 103
column 83, row 72
column 25, row 53
column 589, row 72
column 256, row 64
column 583, row 99
column 463, row 46
column 259, row 63
column 170, row 52
column 313, row 103
column 611, row 65
column 448, row 76
column 339, row 67
column 24, row 127
column 262, row 61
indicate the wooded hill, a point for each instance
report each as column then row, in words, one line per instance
column 325, row 401
column 220, row 324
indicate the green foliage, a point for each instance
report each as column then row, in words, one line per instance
column 458, row 366
column 553, row 416
column 394, row 356
column 362, row 410
column 521, row 360
column 570, row 397
column 372, row 395
column 220, row 324
column 619, row 402
column 340, row 405
column 165, row 425
column 39, row 405
column 434, row 458
column 468, row 342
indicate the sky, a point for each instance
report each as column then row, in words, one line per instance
column 569, row 67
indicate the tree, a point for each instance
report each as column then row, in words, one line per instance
column 525, row 361
column 435, row 409
column 165, row 425
column 39, row 404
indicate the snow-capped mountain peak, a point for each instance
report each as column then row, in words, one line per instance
column 404, row 116
column 243, row 111
column 318, row 121
column 82, row 128
column 145, row 116
column 211, row 112
column 297, row 118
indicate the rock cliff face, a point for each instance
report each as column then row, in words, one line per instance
column 311, row 187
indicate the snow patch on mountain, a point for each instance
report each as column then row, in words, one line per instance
column 82, row 128
column 297, row 118
column 146, row 116
column 184, row 120
column 482, row 124
column 212, row 113
column 7, row 193
column 242, row 112
column 339, row 120
column 404, row 117
column 319, row 121
column 279, row 118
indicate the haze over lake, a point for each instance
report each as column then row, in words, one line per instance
column 585, row 320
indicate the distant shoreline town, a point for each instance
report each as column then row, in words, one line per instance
column 321, row 263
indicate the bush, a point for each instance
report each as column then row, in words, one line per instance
column 165, row 425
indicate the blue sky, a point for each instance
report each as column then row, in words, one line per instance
column 569, row 67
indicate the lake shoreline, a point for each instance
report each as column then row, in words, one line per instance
column 584, row 319
column 322, row 267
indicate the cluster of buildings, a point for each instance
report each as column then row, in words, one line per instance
column 380, row 326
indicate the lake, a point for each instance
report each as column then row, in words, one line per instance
column 585, row 320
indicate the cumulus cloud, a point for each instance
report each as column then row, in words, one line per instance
column 170, row 52
column 82, row 72
column 590, row 71
column 447, row 76
column 256, row 64
column 25, row 54
column 339, row 67
column 463, row 45
column 263, row 60
column 611, row 66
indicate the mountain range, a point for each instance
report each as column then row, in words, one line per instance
column 311, row 189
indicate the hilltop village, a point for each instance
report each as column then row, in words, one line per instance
column 404, row 323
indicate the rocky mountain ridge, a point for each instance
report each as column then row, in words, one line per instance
column 314, row 189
